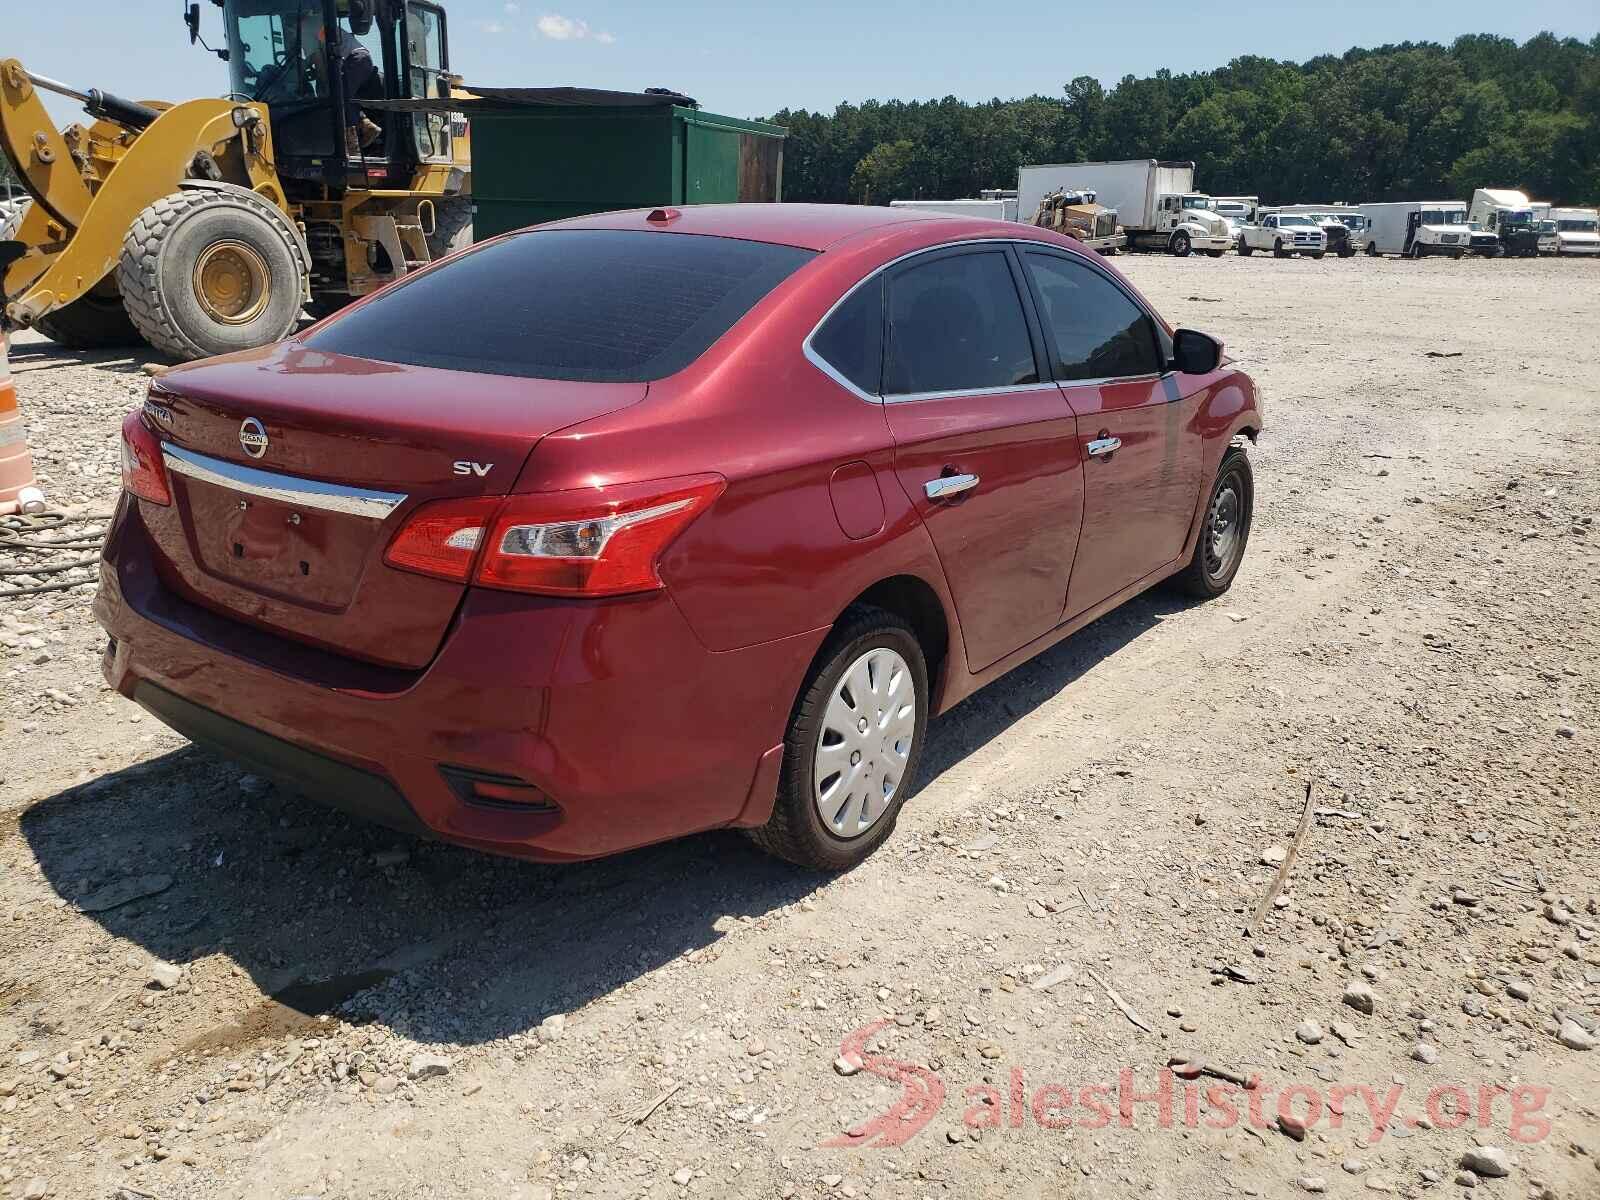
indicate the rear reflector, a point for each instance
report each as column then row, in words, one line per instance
column 144, row 474
column 603, row 541
column 490, row 790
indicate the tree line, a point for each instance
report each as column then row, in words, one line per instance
column 1401, row 122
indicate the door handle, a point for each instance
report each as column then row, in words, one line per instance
column 946, row 486
column 1103, row 446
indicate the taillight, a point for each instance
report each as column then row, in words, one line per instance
column 603, row 541
column 143, row 473
column 442, row 538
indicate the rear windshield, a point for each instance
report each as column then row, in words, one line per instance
column 598, row 305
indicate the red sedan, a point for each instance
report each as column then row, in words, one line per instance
column 640, row 524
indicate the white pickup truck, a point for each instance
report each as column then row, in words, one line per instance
column 1284, row 234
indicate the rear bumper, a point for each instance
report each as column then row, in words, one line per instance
column 620, row 726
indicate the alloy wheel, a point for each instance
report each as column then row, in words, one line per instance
column 864, row 747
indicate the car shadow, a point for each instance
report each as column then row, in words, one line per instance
column 988, row 713
column 329, row 914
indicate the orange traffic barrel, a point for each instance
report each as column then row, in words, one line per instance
column 19, row 491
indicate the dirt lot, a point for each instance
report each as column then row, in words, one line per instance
column 208, row 988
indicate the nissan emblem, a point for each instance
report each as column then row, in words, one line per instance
column 253, row 437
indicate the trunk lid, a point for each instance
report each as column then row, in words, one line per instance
column 291, row 469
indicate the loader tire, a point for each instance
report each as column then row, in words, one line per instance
column 452, row 229
column 91, row 322
column 206, row 273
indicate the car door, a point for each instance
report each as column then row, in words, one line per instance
column 1138, row 431
column 986, row 449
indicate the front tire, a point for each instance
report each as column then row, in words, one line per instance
column 206, row 273
column 1245, row 248
column 1180, row 244
column 1225, row 530
column 1278, row 251
column 1416, row 250
column 1372, row 249
column 854, row 741
column 94, row 321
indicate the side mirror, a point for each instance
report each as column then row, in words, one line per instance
column 191, row 18
column 1195, row 353
column 360, row 17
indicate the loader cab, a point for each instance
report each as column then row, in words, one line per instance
column 304, row 60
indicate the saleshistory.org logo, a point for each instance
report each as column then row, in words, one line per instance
column 1174, row 1100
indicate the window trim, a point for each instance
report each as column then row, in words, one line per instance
column 1019, row 286
column 1163, row 339
column 1020, row 246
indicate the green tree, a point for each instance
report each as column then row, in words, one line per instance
column 1416, row 120
column 885, row 173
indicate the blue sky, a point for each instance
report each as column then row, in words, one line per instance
column 750, row 59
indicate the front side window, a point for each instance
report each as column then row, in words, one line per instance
column 276, row 50
column 600, row 305
column 426, row 63
column 1094, row 330
column 851, row 339
column 956, row 325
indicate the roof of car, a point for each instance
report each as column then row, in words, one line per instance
column 809, row 226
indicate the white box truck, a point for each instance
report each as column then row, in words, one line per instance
column 1417, row 228
column 1241, row 210
column 1510, row 216
column 1155, row 201
column 1577, row 231
column 997, row 210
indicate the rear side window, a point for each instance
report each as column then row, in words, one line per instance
column 1093, row 329
column 598, row 305
column 956, row 325
column 851, row 339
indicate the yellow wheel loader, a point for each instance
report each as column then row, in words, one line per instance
column 207, row 226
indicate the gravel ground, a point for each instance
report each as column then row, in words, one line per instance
column 209, row 989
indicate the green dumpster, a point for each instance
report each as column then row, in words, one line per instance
column 540, row 154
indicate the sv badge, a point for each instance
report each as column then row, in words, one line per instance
column 472, row 468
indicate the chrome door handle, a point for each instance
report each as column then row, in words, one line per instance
column 1103, row 446
column 949, row 485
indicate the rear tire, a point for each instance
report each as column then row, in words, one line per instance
column 207, row 273
column 91, row 322
column 452, row 228
column 1224, row 531
column 804, row 826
